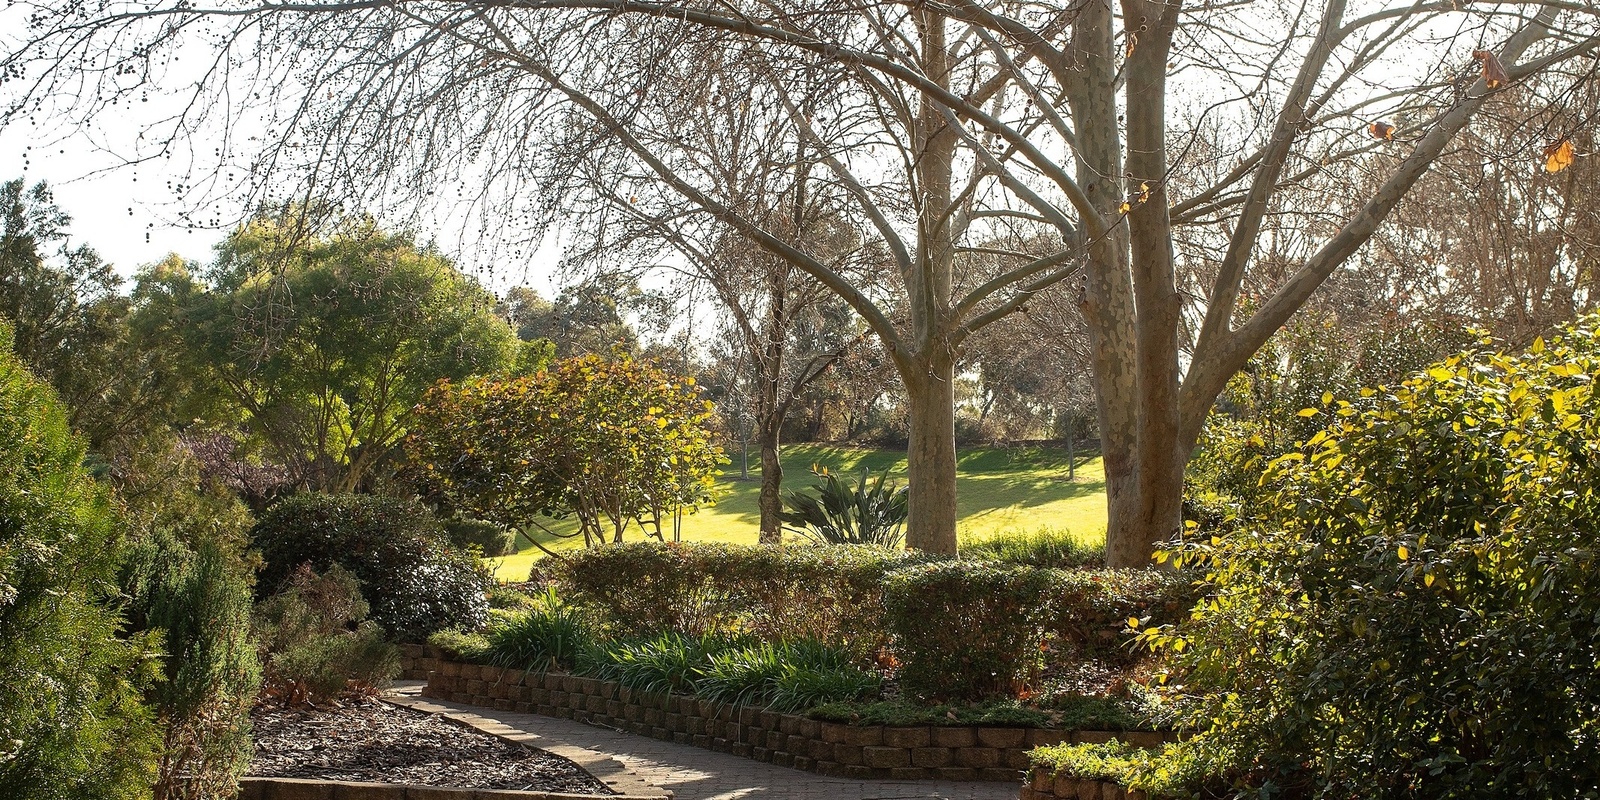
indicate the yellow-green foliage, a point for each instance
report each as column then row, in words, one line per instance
column 1174, row 770
column 1413, row 611
column 72, row 723
column 611, row 442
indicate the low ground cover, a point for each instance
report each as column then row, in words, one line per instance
column 999, row 490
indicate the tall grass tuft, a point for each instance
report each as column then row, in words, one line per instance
column 1049, row 547
column 551, row 634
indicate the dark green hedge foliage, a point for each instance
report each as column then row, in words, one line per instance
column 825, row 594
column 415, row 580
column 968, row 629
column 958, row 629
column 491, row 539
column 72, row 722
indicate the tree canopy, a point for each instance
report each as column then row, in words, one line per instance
column 612, row 442
column 322, row 343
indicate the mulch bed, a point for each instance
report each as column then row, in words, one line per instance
column 374, row 742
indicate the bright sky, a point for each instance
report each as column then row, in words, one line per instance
column 110, row 210
column 126, row 213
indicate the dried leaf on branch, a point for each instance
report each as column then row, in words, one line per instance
column 1558, row 156
column 1494, row 74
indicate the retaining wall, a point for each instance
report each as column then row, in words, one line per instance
column 1044, row 784
column 826, row 748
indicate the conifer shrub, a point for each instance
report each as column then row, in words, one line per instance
column 199, row 601
column 317, row 642
column 73, row 723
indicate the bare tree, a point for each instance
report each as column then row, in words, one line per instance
column 945, row 124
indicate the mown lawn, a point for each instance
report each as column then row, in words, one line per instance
column 998, row 489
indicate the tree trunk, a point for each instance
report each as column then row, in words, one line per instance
column 1159, row 307
column 1107, row 301
column 931, row 456
column 771, row 484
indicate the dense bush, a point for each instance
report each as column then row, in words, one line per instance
column 1087, row 612
column 198, row 599
column 1056, row 548
column 826, row 594
column 839, row 513
column 958, row 629
column 316, row 639
column 415, row 581
column 491, row 539
column 188, row 579
column 1414, row 614
column 72, row 722
column 967, row 629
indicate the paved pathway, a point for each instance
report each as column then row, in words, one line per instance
column 692, row 773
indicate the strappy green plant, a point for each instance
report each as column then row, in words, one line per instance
column 868, row 512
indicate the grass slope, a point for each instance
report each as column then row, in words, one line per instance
column 997, row 490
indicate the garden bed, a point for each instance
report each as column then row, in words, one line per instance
column 841, row 749
column 374, row 742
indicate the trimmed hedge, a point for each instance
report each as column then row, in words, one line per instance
column 958, row 629
column 826, row 594
column 415, row 581
column 965, row 629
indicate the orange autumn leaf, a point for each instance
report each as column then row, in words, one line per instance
column 1558, row 156
column 1381, row 130
column 1494, row 74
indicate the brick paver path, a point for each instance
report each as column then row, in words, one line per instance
column 692, row 773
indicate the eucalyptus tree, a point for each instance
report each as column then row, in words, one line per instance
column 944, row 124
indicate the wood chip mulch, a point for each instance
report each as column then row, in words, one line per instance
column 374, row 742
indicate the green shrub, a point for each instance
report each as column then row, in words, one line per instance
column 550, row 635
column 836, row 595
column 317, row 641
column 72, row 722
column 491, row 539
column 511, row 598
column 843, row 514
column 198, row 600
column 826, row 594
column 1413, row 614
column 1086, row 612
column 414, row 579
column 1055, row 548
column 326, row 667
column 466, row 646
column 967, row 630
